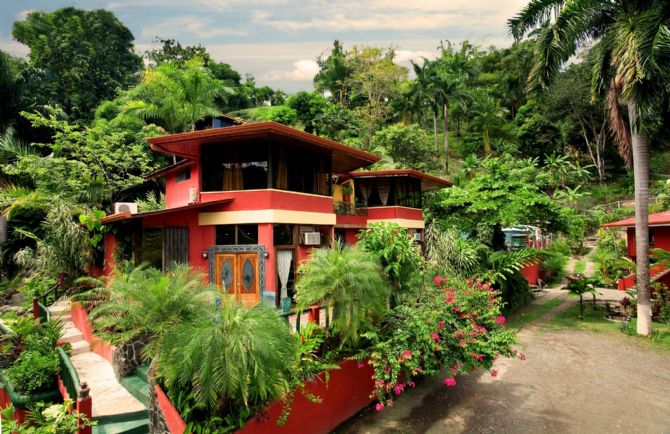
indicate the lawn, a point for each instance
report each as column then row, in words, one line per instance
column 519, row 320
column 595, row 321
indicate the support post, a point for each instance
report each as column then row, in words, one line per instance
column 84, row 407
column 36, row 309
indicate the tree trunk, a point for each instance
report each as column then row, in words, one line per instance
column 641, row 176
column 445, row 130
column 435, row 127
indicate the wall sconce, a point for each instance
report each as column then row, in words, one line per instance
column 204, row 254
column 266, row 255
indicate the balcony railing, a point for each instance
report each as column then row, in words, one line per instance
column 348, row 208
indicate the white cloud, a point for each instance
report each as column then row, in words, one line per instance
column 405, row 56
column 201, row 28
column 14, row 48
column 23, row 14
column 303, row 70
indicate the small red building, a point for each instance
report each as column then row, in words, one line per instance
column 246, row 203
column 659, row 237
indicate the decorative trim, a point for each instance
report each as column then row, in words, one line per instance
column 266, row 216
column 240, row 248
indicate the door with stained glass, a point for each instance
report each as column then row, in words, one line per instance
column 237, row 274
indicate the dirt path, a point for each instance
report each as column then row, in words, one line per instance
column 572, row 381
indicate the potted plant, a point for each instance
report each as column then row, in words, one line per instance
column 347, row 191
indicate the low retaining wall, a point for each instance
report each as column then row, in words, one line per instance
column 346, row 393
column 81, row 321
column 531, row 273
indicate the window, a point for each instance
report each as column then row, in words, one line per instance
column 401, row 191
column 175, row 246
column 239, row 166
column 151, row 251
column 283, row 235
column 184, row 175
column 301, row 170
column 236, row 234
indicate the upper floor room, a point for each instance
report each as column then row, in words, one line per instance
column 259, row 156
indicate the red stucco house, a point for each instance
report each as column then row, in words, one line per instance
column 659, row 237
column 246, row 203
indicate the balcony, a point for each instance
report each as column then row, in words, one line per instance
column 348, row 208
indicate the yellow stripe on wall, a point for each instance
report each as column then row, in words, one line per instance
column 265, row 216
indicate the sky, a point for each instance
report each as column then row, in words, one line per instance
column 278, row 41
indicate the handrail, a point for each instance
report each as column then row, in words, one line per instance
column 348, row 208
column 69, row 375
column 54, row 289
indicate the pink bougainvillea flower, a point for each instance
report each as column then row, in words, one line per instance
column 462, row 343
column 457, row 308
column 379, row 406
column 522, row 356
column 435, row 336
column 379, row 383
column 412, row 384
column 397, row 389
column 500, row 320
column 449, row 299
column 450, row 382
column 494, row 373
column 440, row 325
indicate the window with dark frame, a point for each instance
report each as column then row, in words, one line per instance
column 236, row 234
column 184, row 175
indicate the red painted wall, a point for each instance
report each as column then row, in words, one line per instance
column 110, row 251
column 271, row 199
column 81, row 321
column 177, row 193
column 352, row 220
column 175, row 423
column 661, row 239
column 394, row 212
column 531, row 273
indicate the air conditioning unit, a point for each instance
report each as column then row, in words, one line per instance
column 192, row 195
column 417, row 236
column 120, row 207
column 311, row 238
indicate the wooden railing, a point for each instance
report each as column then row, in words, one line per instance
column 41, row 302
column 348, row 208
column 71, row 388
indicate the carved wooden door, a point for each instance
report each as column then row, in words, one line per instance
column 237, row 274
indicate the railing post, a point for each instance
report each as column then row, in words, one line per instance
column 313, row 314
column 36, row 309
column 84, row 407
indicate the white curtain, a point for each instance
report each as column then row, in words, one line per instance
column 366, row 189
column 384, row 188
column 284, row 259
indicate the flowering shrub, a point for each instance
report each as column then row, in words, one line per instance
column 454, row 324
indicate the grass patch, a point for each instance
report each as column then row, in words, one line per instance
column 580, row 266
column 595, row 321
column 520, row 320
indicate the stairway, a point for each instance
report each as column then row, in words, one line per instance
column 115, row 409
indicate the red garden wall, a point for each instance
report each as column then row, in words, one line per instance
column 80, row 320
column 347, row 392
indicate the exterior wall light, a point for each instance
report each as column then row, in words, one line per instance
column 204, row 254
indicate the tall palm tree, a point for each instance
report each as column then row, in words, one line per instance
column 632, row 48
column 422, row 93
column 177, row 96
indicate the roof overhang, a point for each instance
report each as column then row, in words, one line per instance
column 656, row 219
column 187, row 145
column 428, row 182
column 169, row 169
column 123, row 216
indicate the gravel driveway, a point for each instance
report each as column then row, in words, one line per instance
column 572, row 381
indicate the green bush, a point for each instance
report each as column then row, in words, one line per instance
column 553, row 265
column 398, row 254
column 34, row 372
column 515, row 292
column 455, row 325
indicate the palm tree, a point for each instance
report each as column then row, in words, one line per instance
column 489, row 117
column 148, row 304
column 177, row 96
column 229, row 356
column 632, row 52
column 349, row 279
column 422, row 93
